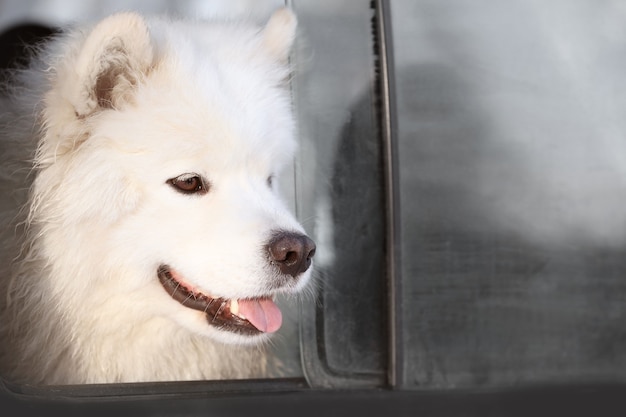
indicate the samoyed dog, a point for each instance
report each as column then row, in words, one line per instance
column 152, row 241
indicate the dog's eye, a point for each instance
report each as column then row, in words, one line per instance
column 189, row 184
column 270, row 181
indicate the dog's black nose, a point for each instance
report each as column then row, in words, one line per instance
column 291, row 252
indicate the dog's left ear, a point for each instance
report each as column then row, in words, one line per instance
column 279, row 33
column 114, row 58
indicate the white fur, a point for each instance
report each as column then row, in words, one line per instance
column 119, row 110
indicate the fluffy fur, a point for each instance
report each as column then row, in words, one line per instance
column 110, row 118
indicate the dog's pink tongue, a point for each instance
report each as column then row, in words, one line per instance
column 264, row 314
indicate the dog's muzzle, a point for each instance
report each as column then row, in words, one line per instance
column 288, row 252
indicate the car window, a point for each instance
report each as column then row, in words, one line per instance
column 336, row 334
column 506, row 263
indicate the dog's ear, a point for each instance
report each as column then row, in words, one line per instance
column 279, row 33
column 115, row 56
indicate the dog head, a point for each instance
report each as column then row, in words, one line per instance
column 156, row 173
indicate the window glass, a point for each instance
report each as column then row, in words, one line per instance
column 512, row 153
column 335, row 184
column 340, row 193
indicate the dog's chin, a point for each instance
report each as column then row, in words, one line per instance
column 226, row 319
column 231, row 338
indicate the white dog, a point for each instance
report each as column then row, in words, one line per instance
column 153, row 241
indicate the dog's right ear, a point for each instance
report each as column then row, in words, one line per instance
column 279, row 33
column 115, row 56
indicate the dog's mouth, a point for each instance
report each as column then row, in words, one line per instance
column 247, row 316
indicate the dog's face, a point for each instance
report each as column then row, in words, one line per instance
column 220, row 238
column 178, row 173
